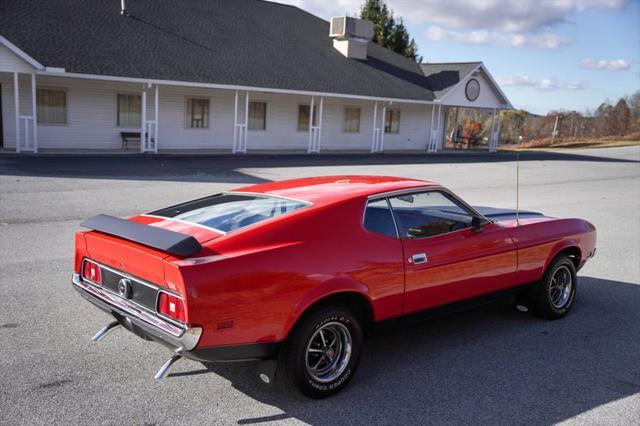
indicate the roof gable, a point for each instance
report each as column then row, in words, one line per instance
column 448, row 80
column 443, row 77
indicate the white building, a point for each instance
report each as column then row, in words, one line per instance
column 219, row 75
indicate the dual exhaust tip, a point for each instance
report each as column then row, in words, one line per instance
column 164, row 370
column 266, row 368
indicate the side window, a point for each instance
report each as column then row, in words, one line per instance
column 257, row 116
column 427, row 214
column 129, row 110
column 52, row 106
column 392, row 121
column 197, row 114
column 378, row 218
column 304, row 111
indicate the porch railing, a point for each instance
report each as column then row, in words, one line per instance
column 378, row 140
column 240, row 138
column 314, row 139
column 150, row 137
column 27, row 138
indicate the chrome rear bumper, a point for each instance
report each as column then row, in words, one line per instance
column 133, row 316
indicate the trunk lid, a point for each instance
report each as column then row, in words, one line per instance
column 137, row 259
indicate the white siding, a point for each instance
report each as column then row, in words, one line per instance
column 10, row 62
column 91, row 119
column 172, row 131
column 488, row 98
column 414, row 128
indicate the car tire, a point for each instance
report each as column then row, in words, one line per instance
column 322, row 353
column 556, row 291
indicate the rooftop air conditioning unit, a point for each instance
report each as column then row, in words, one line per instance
column 351, row 36
column 346, row 27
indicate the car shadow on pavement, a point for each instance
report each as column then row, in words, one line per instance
column 492, row 364
column 228, row 168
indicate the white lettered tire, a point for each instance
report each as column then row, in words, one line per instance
column 322, row 353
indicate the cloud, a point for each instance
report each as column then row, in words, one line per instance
column 542, row 40
column 516, row 23
column 602, row 64
column 576, row 85
column 502, row 15
column 545, row 84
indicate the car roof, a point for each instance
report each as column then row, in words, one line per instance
column 331, row 189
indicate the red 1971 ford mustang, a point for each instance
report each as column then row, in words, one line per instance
column 300, row 270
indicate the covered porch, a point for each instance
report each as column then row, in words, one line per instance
column 62, row 112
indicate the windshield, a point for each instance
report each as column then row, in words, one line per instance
column 228, row 212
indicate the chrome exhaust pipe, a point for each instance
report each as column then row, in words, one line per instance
column 104, row 330
column 164, row 370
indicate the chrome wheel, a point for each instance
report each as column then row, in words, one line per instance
column 328, row 352
column 561, row 287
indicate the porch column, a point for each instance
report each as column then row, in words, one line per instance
column 16, row 106
column 437, row 136
column 495, row 131
column 156, row 108
column 240, row 129
column 246, row 124
column 383, row 122
column 320, row 113
column 315, row 129
column 430, row 135
column 495, row 149
column 34, row 122
column 376, row 130
column 310, row 144
column 143, row 120
column 235, row 122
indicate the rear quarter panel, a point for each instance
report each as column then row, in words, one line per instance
column 262, row 279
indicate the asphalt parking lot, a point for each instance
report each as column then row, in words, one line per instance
column 488, row 365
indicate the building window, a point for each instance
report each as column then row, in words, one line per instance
column 392, row 121
column 197, row 113
column 129, row 110
column 303, row 117
column 257, row 116
column 51, row 106
column 351, row 120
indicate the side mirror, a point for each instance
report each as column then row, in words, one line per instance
column 478, row 222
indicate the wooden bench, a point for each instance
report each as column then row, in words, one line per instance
column 132, row 136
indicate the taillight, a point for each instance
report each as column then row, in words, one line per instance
column 91, row 272
column 171, row 306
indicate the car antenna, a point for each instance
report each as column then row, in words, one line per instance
column 518, row 188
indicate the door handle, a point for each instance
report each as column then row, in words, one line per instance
column 418, row 258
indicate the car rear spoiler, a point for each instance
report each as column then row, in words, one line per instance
column 162, row 239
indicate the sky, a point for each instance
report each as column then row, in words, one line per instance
column 546, row 54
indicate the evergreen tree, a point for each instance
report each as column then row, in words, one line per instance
column 377, row 12
column 386, row 31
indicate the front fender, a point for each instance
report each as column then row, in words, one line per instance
column 558, row 247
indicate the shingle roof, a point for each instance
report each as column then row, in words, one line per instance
column 236, row 42
column 441, row 77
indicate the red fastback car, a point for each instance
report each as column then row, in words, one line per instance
column 300, row 270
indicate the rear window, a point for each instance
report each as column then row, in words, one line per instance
column 378, row 218
column 228, row 212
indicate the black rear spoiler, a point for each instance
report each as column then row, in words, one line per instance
column 158, row 238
